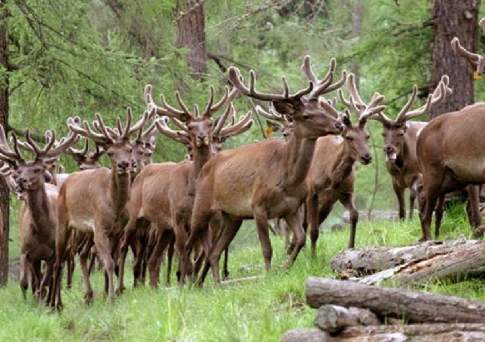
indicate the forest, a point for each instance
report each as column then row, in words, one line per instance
column 227, row 103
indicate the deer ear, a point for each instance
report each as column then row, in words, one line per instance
column 286, row 107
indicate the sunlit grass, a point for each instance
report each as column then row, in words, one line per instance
column 257, row 310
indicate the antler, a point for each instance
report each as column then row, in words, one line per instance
column 179, row 136
column 236, row 80
column 51, row 149
column 325, row 85
column 221, row 121
column 6, row 153
column 271, row 115
column 357, row 105
column 241, row 126
column 439, row 94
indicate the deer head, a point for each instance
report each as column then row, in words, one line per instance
column 476, row 61
column 144, row 146
column 198, row 131
column 283, row 124
column 395, row 129
column 116, row 142
column 31, row 175
column 303, row 108
column 356, row 136
column 84, row 158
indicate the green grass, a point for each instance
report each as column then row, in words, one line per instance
column 260, row 310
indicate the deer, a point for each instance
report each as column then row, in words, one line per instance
column 263, row 180
column 331, row 175
column 168, row 205
column 38, row 214
column 93, row 201
column 400, row 136
column 449, row 152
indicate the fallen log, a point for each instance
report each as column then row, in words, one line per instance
column 414, row 332
column 413, row 306
column 463, row 261
column 362, row 262
column 306, row 335
column 334, row 318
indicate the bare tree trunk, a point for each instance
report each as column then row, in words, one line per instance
column 191, row 34
column 453, row 18
column 4, row 193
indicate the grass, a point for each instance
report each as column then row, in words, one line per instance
column 260, row 310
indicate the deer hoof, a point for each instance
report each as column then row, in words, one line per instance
column 88, row 297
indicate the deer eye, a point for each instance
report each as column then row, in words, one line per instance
column 349, row 138
column 367, row 137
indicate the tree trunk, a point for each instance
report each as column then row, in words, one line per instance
column 362, row 262
column 453, row 19
column 334, row 318
column 415, row 332
column 414, row 306
column 4, row 193
column 454, row 264
column 191, row 34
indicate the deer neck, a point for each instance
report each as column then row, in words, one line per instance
column 299, row 158
column 344, row 163
column 119, row 188
column 200, row 156
column 38, row 204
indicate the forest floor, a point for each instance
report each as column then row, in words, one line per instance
column 258, row 310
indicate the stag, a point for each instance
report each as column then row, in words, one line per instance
column 449, row 152
column 264, row 180
column 400, row 135
column 168, row 205
column 94, row 200
column 38, row 214
column 331, row 175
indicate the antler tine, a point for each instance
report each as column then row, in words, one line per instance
column 238, row 127
column 352, row 88
column 207, row 111
column 129, row 118
column 481, row 23
column 82, row 151
column 408, row 105
column 236, row 80
column 6, row 153
column 149, row 132
column 269, row 115
column 119, row 126
column 24, row 146
column 307, row 69
column 374, row 107
column 71, row 139
column 50, row 141
column 458, row 48
column 383, row 118
column 178, row 136
column 101, row 125
column 87, row 132
column 151, row 105
column 227, row 97
column 180, row 125
column 222, row 119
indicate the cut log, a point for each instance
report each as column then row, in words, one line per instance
column 334, row 318
column 413, row 306
column 306, row 335
column 464, row 260
column 415, row 332
column 362, row 262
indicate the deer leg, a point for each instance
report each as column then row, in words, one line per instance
column 431, row 193
column 399, row 191
column 323, row 210
column 347, row 201
column 438, row 214
column 62, row 231
column 156, row 257
column 128, row 236
column 170, row 252
column 103, row 247
column 225, row 269
column 474, row 205
column 24, row 274
column 46, row 279
column 298, row 236
column 229, row 228
column 312, row 218
column 199, row 229
column 261, row 219
column 413, row 193
column 85, row 265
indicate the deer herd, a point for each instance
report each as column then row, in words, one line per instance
column 193, row 209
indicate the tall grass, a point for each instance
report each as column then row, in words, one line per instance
column 257, row 310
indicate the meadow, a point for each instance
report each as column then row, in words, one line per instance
column 253, row 310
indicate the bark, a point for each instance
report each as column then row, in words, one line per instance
column 4, row 192
column 414, row 306
column 362, row 262
column 450, row 19
column 334, row 318
column 306, row 335
column 415, row 332
column 191, row 34
column 463, row 261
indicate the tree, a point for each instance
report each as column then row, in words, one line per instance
column 4, row 193
column 191, row 34
column 453, row 19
